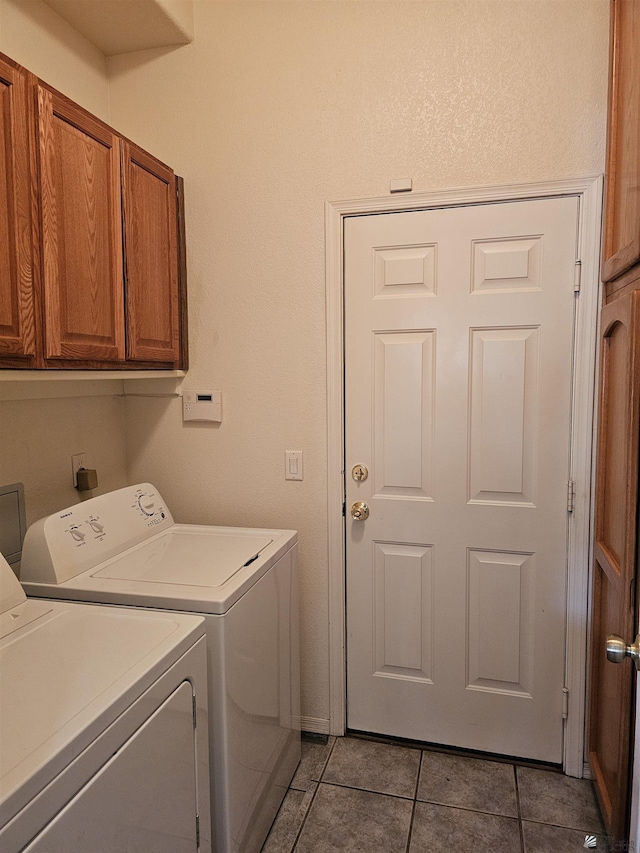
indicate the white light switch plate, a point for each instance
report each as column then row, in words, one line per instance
column 293, row 465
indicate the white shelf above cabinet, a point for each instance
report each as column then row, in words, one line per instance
column 19, row 375
column 49, row 384
column 123, row 26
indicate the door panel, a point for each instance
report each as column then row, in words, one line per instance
column 458, row 326
column 622, row 218
column 150, row 228
column 81, row 232
column 612, row 685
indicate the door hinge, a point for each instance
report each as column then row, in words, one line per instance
column 198, row 831
column 571, row 496
column 565, row 703
column 193, row 708
column 344, row 509
column 577, row 276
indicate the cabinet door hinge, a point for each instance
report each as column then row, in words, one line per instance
column 565, row 703
column 344, row 509
column 571, row 496
column 198, row 831
column 577, row 276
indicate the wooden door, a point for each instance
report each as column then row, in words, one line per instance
column 458, row 376
column 151, row 257
column 81, row 233
column 612, row 685
column 622, row 222
column 18, row 307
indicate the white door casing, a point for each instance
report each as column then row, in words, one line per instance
column 587, row 194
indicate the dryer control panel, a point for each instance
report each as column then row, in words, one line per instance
column 76, row 539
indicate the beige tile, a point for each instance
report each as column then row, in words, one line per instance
column 344, row 819
column 441, row 829
column 471, row 783
column 373, row 766
column 556, row 799
column 287, row 824
column 540, row 838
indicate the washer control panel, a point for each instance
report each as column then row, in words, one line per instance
column 80, row 537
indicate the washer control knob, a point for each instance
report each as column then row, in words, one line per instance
column 96, row 526
column 77, row 534
column 147, row 502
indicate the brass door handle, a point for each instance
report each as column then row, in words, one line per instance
column 359, row 511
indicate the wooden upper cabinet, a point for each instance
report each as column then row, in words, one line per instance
column 151, row 257
column 81, row 232
column 92, row 255
column 18, row 307
column 622, row 230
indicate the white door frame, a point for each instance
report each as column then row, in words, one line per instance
column 589, row 192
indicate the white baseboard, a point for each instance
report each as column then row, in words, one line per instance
column 314, row 724
column 586, row 771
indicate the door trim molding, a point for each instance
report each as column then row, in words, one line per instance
column 589, row 193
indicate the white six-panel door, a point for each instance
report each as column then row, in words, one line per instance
column 458, row 360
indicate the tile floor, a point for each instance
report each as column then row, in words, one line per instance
column 352, row 794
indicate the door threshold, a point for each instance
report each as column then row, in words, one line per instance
column 454, row 750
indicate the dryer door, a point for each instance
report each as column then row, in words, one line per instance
column 144, row 798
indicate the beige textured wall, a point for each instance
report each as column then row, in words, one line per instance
column 36, row 37
column 275, row 108
column 38, row 436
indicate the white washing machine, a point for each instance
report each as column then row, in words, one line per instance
column 124, row 548
column 103, row 729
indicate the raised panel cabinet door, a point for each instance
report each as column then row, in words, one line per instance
column 81, row 232
column 612, row 685
column 17, row 295
column 151, row 257
column 622, row 218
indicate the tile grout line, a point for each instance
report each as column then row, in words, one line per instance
column 415, row 803
column 520, row 826
column 319, row 780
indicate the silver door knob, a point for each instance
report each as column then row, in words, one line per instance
column 618, row 650
column 359, row 511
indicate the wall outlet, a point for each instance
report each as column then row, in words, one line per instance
column 78, row 460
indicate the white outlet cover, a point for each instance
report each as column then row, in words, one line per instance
column 78, row 460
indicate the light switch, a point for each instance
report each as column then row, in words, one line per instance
column 293, row 465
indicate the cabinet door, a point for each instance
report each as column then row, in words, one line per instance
column 17, row 295
column 622, row 230
column 151, row 257
column 81, row 232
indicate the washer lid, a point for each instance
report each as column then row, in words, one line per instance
column 200, row 557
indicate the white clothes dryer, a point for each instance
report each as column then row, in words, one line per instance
column 103, row 729
column 124, row 548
